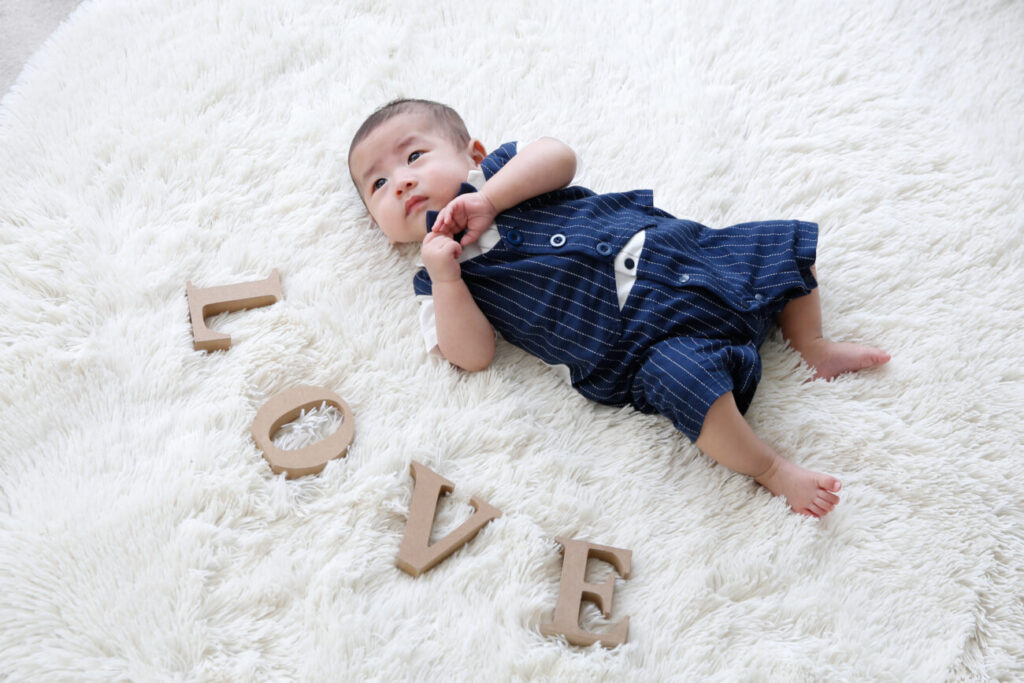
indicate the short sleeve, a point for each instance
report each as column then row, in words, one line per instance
column 497, row 159
column 428, row 325
column 421, row 284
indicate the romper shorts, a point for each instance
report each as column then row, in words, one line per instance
column 703, row 303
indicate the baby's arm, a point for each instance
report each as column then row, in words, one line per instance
column 542, row 166
column 464, row 336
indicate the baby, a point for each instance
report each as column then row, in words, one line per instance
column 642, row 308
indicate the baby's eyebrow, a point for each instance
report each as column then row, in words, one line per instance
column 363, row 177
column 411, row 137
column 402, row 142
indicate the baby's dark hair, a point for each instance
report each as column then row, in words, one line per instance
column 446, row 118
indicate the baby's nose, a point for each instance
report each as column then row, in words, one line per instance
column 405, row 183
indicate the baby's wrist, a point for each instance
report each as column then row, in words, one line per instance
column 443, row 273
column 491, row 200
column 445, row 280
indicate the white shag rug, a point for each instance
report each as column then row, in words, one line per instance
column 142, row 535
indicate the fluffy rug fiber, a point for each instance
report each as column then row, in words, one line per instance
column 143, row 536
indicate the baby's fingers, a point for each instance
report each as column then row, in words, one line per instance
column 454, row 218
column 441, row 223
column 458, row 213
column 470, row 237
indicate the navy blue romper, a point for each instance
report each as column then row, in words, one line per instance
column 703, row 302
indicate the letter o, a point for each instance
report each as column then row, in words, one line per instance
column 284, row 407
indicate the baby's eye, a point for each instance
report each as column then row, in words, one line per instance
column 377, row 184
column 414, row 156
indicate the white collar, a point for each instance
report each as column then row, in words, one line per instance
column 490, row 236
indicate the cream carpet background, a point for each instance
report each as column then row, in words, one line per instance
column 143, row 537
column 24, row 26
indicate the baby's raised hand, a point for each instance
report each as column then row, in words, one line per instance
column 440, row 254
column 472, row 212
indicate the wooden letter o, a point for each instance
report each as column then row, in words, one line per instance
column 284, row 407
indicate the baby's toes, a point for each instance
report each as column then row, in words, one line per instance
column 811, row 510
column 818, row 511
column 827, row 483
column 875, row 357
column 826, row 497
column 825, row 501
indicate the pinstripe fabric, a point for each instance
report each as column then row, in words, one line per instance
column 703, row 302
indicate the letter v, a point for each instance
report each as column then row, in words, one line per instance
column 415, row 554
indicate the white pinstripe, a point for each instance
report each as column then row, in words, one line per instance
column 532, row 307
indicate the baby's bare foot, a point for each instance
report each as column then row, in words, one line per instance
column 830, row 359
column 808, row 493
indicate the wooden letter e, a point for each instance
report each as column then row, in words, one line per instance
column 415, row 554
column 573, row 589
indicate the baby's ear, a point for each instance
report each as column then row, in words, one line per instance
column 477, row 151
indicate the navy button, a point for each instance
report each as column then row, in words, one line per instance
column 557, row 240
column 684, row 278
column 759, row 297
column 603, row 248
column 629, row 263
column 514, row 237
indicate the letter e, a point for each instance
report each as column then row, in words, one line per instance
column 573, row 589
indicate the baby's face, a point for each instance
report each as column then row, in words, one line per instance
column 406, row 167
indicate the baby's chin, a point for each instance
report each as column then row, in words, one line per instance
column 417, row 239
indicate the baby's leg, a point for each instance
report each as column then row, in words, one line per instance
column 800, row 322
column 727, row 438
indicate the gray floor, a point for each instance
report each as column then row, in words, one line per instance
column 24, row 26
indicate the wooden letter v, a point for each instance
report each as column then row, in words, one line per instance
column 415, row 554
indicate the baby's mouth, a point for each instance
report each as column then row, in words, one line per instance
column 413, row 204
